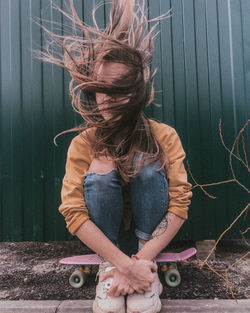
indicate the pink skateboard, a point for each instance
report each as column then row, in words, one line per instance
column 167, row 265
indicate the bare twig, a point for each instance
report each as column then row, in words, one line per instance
column 225, row 232
column 244, row 232
column 236, row 137
column 239, row 259
column 231, row 154
column 245, row 210
column 244, row 151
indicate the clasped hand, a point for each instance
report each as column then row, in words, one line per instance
column 138, row 277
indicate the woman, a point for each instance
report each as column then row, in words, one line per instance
column 118, row 147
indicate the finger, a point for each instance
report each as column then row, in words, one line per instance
column 147, row 285
column 126, row 291
column 154, row 267
column 112, row 291
column 131, row 290
column 107, row 275
column 148, row 288
column 117, row 293
column 153, row 277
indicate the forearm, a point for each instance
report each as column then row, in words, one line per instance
column 95, row 239
column 161, row 237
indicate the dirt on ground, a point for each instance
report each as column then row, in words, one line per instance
column 31, row 271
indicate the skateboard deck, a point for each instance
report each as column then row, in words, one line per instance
column 167, row 264
column 93, row 259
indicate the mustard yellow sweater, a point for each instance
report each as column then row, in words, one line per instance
column 80, row 156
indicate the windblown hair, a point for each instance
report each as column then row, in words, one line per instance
column 126, row 40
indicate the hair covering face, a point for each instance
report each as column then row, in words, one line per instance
column 127, row 41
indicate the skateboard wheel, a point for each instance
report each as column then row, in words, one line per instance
column 77, row 279
column 172, row 277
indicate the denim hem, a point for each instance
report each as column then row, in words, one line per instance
column 142, row 235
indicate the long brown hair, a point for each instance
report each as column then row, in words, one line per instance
column 128, row 40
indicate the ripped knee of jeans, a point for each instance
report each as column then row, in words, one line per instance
column 102, row 172
column 101, row 166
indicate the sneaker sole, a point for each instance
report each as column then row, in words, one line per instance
column 158, row 305
column 155, row 309
column 97, row 309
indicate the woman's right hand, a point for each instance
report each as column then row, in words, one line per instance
column 142, row 274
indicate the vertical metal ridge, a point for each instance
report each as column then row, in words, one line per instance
column 173, row 76
column 232, row 64
column 245, row 12
column 1, row 147
column 22, row 121
column 243, row 56
column 161, row 53
column 184, row 66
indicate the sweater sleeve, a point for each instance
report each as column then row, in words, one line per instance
column 73, row 206
column 179, row 188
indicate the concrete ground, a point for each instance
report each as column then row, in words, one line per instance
column 85, row 306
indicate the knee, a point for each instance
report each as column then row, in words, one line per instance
column 148, row 172
column 102, row 178
column 101, row 165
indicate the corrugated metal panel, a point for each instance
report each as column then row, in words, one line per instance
column 203, row 60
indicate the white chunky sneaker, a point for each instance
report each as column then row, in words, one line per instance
column 148, row 302
column 103, row 303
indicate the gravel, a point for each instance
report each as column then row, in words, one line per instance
column 31, row 271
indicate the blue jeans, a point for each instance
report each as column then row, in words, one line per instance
column 148, row 196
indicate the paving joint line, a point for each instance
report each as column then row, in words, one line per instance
column 57, row 308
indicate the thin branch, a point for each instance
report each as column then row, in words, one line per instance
column 244, row 151
column 225, row 232
column 244, row 232
column 231, row 154
column 222, row 141
column 237, row 261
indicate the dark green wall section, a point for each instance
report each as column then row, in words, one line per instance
column 203, row 58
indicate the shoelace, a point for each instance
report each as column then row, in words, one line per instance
column 102, row 268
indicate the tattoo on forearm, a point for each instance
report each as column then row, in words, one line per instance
column 161, row 228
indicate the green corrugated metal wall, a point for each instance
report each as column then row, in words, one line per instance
column 203, row 56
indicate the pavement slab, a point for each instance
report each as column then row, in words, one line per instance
column 35, row 306
column 85, row 306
